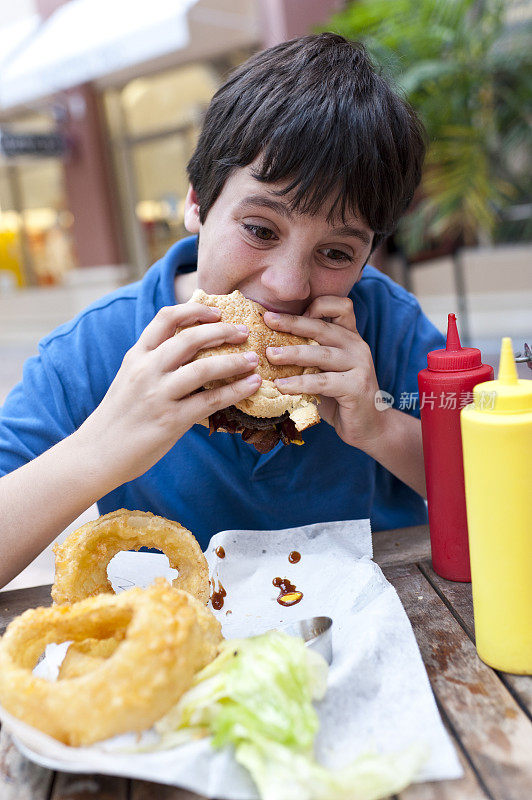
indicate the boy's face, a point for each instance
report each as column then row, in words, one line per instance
column 250, row 241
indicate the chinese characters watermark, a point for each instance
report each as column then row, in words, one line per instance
column 448, row 401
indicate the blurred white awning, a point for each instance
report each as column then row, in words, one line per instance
column 87, row 39
column 14, row 35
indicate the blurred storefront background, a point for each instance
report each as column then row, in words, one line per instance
column 100, row 106
column 101, row 102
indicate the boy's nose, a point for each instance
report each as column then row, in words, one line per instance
column 288, row 279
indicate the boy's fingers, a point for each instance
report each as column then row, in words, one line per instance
column 203, row 404
column 169, row 318
column 180, row 349
column 338, row 310
column 327, row 384
column 326, row 333
column 193, row 376
column 326, row 358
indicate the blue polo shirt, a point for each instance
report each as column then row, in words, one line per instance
column 218, row 482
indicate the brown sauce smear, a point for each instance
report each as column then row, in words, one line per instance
column 217, row 597
column 294, row 557
column 288, row 595
column 220, row 552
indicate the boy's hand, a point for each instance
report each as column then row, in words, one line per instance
column 347, row 383
column 152, row 402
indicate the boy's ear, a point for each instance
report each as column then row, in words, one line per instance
column 192, row 218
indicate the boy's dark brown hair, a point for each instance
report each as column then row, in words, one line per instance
column 320, row 117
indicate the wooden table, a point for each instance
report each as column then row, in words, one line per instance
column 487, row 713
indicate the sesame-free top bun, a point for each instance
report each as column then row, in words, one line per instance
column 267, row 400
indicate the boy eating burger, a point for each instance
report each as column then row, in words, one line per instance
column 306, row 160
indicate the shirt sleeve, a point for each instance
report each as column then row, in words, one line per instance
column 423, row 338
column 63, row 385
column 400, row 358
column 395, row 503
column 35, row 415
column 399, row 336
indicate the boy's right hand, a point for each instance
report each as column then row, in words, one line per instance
column 151, row 402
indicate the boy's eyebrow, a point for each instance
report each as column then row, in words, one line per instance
column 260, row 201
column 349, row 230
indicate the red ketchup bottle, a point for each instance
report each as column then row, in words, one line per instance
column 444, row 389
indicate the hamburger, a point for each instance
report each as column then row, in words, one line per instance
column 268, row 416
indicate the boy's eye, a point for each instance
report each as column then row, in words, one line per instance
column 336, row 255
column 260, row 232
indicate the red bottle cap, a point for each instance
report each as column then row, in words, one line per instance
column 454, row 357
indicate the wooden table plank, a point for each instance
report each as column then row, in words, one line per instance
column 521, row 688
column 466, row 787
column 456, row 594
column 15, row 601
column 458, row 597
column 145, row 790
column 21, row 779
column 494, row 732
column 401, row 546
column 82, row 786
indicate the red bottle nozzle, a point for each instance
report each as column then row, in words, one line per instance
column 454, row 357
column 453, row 339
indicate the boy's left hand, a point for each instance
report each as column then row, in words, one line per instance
column 347, row 383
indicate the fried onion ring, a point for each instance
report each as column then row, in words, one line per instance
column 84, row 656
column 165, row 641
column 81, row 560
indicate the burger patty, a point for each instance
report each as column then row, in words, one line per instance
column 262, row 432
column 235, row 415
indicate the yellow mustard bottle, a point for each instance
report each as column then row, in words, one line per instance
column 497, row 451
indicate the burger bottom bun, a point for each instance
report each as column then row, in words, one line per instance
column 269, row 402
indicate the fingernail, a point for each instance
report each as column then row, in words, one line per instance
column 242, row 328
column 273, row 316
column 282, row 381
column 251, row 357
column 254, row 380
column 214, row 310
column 274, row 351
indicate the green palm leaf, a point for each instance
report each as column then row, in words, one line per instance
column 466, row 67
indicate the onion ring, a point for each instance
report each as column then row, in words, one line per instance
column 84, row 656
column 165, row 641
column 81, row 560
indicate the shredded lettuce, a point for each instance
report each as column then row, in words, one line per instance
column 257, row 696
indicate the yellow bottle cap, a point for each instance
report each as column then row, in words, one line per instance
column 508, row 393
